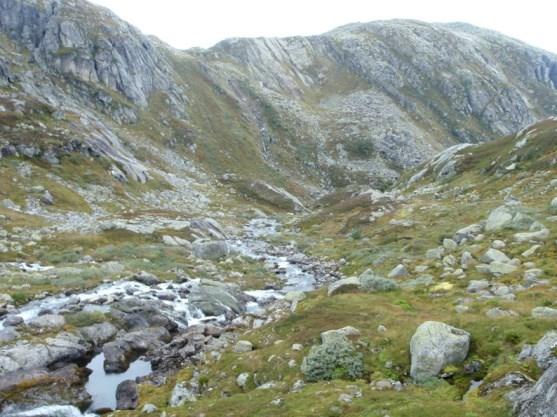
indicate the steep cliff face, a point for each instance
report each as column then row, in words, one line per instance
column 74, row 38
column 361, row 103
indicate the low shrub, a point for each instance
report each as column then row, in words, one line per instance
column 335, row 359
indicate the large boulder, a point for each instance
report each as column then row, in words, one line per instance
column 98, row 334
column 345, row 285
column 434, row 346
column 272, row 195
column 498, row 219
column 508, row 217
column 211, row 249
column 494, row 255
column 119, row 353
column 127, row 397
column 47, row 322
column 215, row 298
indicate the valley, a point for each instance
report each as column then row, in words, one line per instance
column 360, row 223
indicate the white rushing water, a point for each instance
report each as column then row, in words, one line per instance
column 102, row 386
column 252, row 246
column 51, row 411
column 98, row 299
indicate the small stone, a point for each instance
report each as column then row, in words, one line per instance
column 449, row 244
column 296, row 347
column 498, row 244
column 499, row 313
column 243, row 346
column 544, row 313
column 345, row 398
column 181, row 394
column 398, row 271
column 47, row 198
column 436, row 253
column 383, row 385
column 467, row 260
column 553, row 206
column 494, row 255
column 477, row 285
column 242, row 379
column 347, row 332
column 298, row 385
column 530, row 252
column 149, row 409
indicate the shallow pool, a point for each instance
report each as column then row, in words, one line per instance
column 102, row 386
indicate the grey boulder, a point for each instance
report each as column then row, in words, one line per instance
column 48, row 321
column 344, row 285
column 211, row 250
column 435, row 345
column 127, row 397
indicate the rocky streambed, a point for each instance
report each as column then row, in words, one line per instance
column 151, row 328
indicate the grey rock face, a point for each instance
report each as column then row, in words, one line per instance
column 434, row 346
column 113, row 53
column 539, row 400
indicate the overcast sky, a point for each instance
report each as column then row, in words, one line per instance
column 190, row 23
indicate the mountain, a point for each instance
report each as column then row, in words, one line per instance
column 360, row 223
column 361, row 103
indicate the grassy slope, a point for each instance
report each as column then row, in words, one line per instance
column 330, row 233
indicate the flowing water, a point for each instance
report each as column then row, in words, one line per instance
column 102, row 386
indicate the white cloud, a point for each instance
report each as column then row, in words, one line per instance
column 190, row 23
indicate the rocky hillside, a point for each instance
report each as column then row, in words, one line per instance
column 360, row 223
column 358, row 104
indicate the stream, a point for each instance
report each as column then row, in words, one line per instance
column 290, row 265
